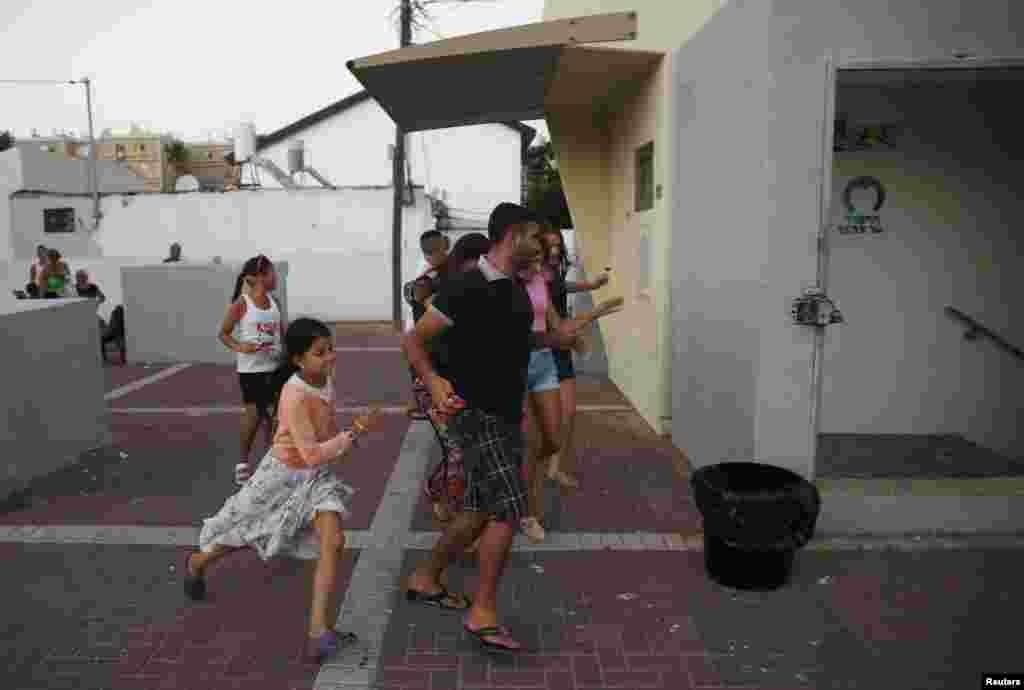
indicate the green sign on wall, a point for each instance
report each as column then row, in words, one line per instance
column 862, row 221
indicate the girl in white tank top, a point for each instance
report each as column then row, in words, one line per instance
column 254, row 330
column 261, row 327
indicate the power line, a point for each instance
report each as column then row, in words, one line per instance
column 39, row 82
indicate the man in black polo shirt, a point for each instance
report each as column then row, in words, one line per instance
column 487, row 319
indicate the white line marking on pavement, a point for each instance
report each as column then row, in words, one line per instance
column 201, row 411
column 556, row 541
column 234, row 409
column 136, row 385
column 377, row 577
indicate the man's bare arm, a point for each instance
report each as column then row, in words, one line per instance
column 430, row 325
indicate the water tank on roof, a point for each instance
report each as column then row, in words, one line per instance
column 296, row 162
column 245, row 141
column 186, row 183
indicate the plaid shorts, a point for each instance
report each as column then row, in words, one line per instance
column 492, row 457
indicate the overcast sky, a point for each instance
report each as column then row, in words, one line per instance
column 197, row 67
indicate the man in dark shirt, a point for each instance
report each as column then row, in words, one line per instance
column 487, row 319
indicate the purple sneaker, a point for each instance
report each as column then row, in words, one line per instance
column 328, row 644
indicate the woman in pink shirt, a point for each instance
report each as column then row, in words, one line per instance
column 543, row 402
column 294, row 503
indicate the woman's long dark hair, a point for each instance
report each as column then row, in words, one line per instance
column 549, row 228
column 470, row 246
column 252, row 267
column 298, row 340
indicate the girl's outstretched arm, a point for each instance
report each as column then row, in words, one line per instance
column 303, row 433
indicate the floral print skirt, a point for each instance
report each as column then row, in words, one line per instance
column 273, row 511
column 446, row 485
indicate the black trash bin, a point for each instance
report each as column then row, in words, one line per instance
column 756, row 516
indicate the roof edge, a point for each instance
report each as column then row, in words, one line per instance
column 340, row 106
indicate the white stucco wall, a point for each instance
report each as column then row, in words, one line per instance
column 44, row 427
column 338, row 243
column 901, row 366
column 10, row 182
column 478, row 166
column 751, row 99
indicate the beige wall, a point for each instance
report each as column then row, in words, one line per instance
column 635, row 239
column 581, row 147
column 611, row 234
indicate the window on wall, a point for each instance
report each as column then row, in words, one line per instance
column 59, row 220
column 644, row 177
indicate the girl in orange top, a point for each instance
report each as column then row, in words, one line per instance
column 294, row 503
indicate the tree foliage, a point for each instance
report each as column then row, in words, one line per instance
column 544, row 185
column 6, row 140
column 176, row 151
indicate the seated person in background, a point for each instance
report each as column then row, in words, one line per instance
column 38, row 264
column 52, row 281
column 86, row 288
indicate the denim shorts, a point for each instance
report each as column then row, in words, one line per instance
column 563, row 362
column 542, row 374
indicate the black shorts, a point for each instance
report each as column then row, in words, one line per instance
column 257, row 389
column 563, row 362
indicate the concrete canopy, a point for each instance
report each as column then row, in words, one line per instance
column 507, row 74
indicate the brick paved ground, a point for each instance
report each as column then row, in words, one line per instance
column 178, row 469
column 109, row 616
column 362, row 377
column 629, row 481
column 95, row 617
column 610, row 619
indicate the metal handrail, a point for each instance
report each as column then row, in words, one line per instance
column 975, row 329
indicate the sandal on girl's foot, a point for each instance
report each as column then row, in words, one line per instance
column 500, row 641
column 328, row 644
column 195, row 585
column 242, row 473
column 444, row 600
column 533, row 529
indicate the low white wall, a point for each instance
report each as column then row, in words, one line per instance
column 338, row 243
column 53, row 387
column 173, row 312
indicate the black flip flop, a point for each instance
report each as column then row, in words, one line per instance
column 492, row 647
column 438, row 600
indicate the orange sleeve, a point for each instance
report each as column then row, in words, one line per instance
column 303, row 433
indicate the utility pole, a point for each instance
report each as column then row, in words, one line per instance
column 398, row 181
column 94, row 177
